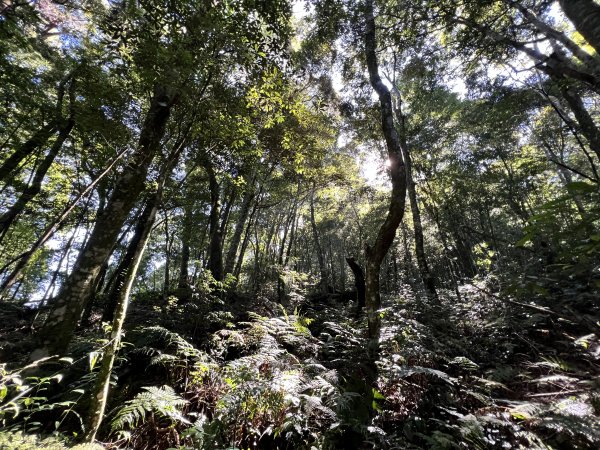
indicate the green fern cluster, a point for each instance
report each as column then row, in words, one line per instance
column 161, row 401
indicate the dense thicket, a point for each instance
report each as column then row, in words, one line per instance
column 321, row 224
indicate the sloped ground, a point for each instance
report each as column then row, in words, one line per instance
column 479, row 373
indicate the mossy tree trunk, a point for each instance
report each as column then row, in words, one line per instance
column 385, row 236
column 120, row 294
column 57, row 332
column 585, row 15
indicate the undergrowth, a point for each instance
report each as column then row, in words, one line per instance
column 479, row 373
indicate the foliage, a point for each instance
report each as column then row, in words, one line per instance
column 23, row 395
column 161, row 401
column 20, row 441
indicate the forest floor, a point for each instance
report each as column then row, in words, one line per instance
column 477, row 372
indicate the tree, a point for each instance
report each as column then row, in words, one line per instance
column 376, row 252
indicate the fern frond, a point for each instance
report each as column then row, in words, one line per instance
column 162, row 401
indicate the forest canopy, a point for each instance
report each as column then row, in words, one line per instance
column 309, row 224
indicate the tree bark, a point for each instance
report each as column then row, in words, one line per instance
column 239, row 229
column 426, row 276
column 121, row 291
column 585, row 15
column 226, row 214
column 215, row 249
column 587, row 126
column 27, row 148
column 35, row 187
column 25, row 257
column 245, row 242
column 60, row 325
column 43, row 135
column 319, row 249
column 122, row 273
column 359, row 283
column 385, row 236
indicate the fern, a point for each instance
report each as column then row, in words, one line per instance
column 162, row 401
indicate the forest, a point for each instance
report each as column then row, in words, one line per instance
column 299, row 224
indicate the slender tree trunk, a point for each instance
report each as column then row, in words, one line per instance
column 121, row 293
column 280, row 259
column 215, row 250
column 225, row 217
column 239, row 230
column 25, row 257
column 183, row 284
column 359, row 283
column 385, row 236
column 36, row 185
column 184, row 271
column 463, row 253
column 319, row 250
column 292, row 237
column 331, row 266
column 60, row 325
column 341, row 260
column 168, row 243
column 426, row 276
column 122, row 273
column 27, row 148
column 408, row 261
column 587, row 126
column 585, row 15
column 245, row 242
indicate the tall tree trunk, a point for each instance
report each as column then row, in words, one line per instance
column 292, row 237
column 60, row 325
column 123, row 271
column 36, row 185
column 359, row 283
column 36, row 141
column 319, row 249
column 587, row 125
column 407, row 256
column 183, row 284
column 42, row 136
column 215, row 249
column 226, row 214
column 245, row 242
column 168, row 244
column 184, row 270
column 385, row 236
column 426, row 275
column 25, row 257
column 121, row 292
column 239, row 229
column 585, row 15
column 280, row 259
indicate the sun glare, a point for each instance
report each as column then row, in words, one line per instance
column 372, row 168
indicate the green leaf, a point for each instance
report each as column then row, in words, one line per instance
column 580, row 186
column 93, row 359
column 377, row 395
